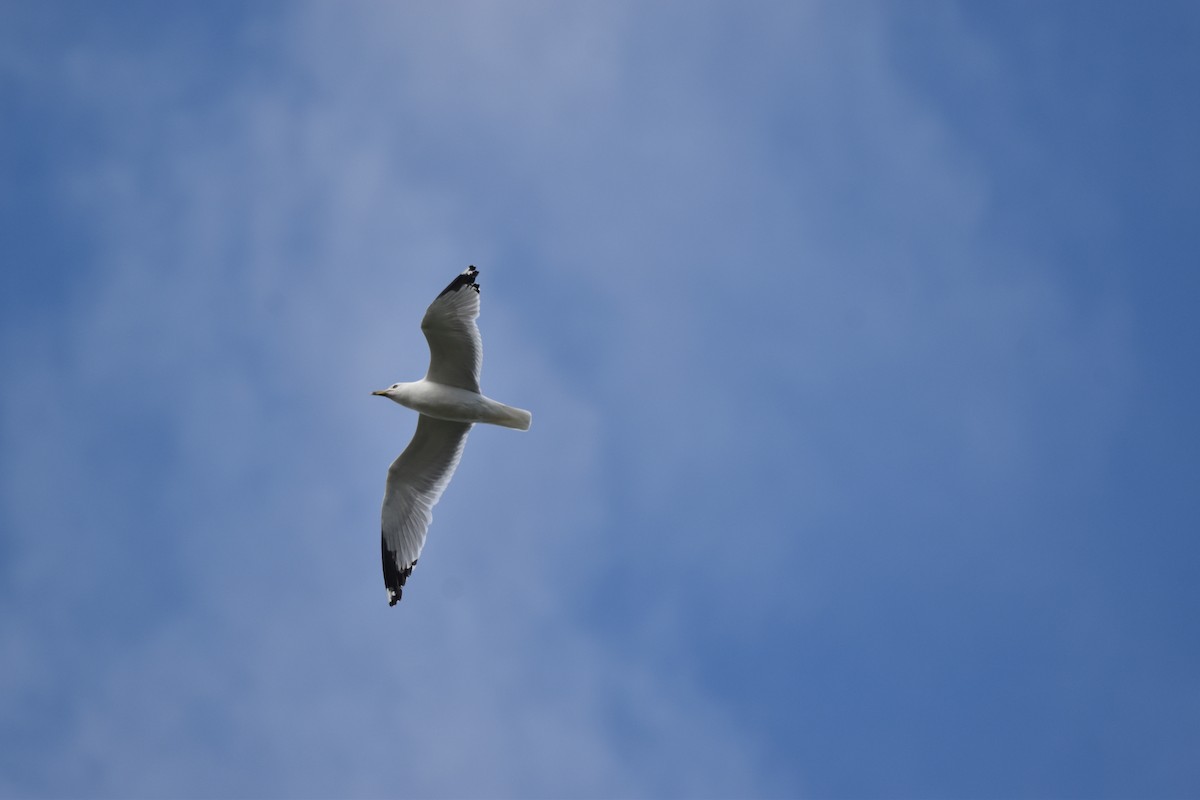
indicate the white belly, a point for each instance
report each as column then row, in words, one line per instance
column 456, row 405
column 448, row 402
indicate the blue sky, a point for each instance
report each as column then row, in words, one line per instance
column 861, row 346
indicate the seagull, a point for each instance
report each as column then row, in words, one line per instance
column 449, row 403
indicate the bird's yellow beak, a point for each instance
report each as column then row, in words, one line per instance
column 380, row 392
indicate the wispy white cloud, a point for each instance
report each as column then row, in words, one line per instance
column 221, row 340
column 685, row 250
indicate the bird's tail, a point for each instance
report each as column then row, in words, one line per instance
column 511, row 417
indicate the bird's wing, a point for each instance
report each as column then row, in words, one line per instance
column 455, row 351
column 415, row 482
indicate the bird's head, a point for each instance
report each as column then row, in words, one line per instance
column 389, row 392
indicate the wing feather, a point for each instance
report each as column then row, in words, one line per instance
column 455, row 349
column 415, row 483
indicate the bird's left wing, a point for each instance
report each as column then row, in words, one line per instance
column 415, row 482
column 455, row 350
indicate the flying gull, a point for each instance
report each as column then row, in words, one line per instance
column 449, row 402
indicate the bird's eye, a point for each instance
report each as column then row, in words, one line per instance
column 395, row 386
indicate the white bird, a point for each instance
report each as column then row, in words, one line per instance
column 449, row 402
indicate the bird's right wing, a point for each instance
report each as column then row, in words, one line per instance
column 415, row 483
column 455, row 349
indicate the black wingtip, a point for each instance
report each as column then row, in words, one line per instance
column 464, row 278
column 393, row 576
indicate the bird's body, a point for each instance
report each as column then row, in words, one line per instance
column 457, row 405
column 449, row 402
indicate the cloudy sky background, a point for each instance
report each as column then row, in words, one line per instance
column 860, row 339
